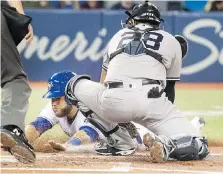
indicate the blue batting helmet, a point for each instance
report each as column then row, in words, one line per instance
column 57, row 84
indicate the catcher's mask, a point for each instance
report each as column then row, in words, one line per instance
column 145, row 13
column 57, row 84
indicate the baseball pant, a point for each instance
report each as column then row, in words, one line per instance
column 132, row 104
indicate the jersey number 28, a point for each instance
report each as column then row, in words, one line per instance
column 152, row 40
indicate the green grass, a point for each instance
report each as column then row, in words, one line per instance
column 186, row 100
column 204, row 100
column 199, row 99
column 214, row 128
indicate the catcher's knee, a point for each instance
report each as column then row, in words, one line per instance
column 70, row 88
column 190, row 148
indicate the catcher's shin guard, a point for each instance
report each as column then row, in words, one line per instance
column 13, row 140
column 182, row 148
column 190, row 148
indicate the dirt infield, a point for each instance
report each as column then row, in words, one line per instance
column 199, row 86
column 215, row 143
column 92, row 163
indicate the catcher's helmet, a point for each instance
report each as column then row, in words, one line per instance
column 57, row 84
column 145, row 13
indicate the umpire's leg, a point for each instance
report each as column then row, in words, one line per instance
column 15, row 95
column 15, row 88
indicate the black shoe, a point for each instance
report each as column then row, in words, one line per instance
column 103, row 148
column 14, row 140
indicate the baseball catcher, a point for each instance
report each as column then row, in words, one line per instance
column 140, row 60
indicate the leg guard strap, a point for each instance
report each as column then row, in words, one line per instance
column 101, row 128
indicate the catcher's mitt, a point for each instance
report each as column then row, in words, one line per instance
column 183, row 43
column 131, row 128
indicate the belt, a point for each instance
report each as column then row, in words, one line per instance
column 111, row 85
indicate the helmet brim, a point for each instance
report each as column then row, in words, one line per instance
column 51, row 94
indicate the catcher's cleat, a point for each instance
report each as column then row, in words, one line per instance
column 103, row 148
column 159, row 152
column 14, row 141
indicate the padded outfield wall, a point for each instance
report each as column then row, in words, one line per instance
column 76, row 40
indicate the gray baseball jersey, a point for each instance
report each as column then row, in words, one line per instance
column 143, row 65
column 130, row 101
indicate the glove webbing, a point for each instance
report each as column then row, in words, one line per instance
column 131, row 128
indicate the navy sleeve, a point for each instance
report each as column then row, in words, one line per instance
column 170, row 90
column 41, row 124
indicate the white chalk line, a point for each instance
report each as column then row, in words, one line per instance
column 113, row 169
column 217, row 107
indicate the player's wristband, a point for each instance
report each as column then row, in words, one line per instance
column 74, row 141
column 92, row 133
column 41, row 124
